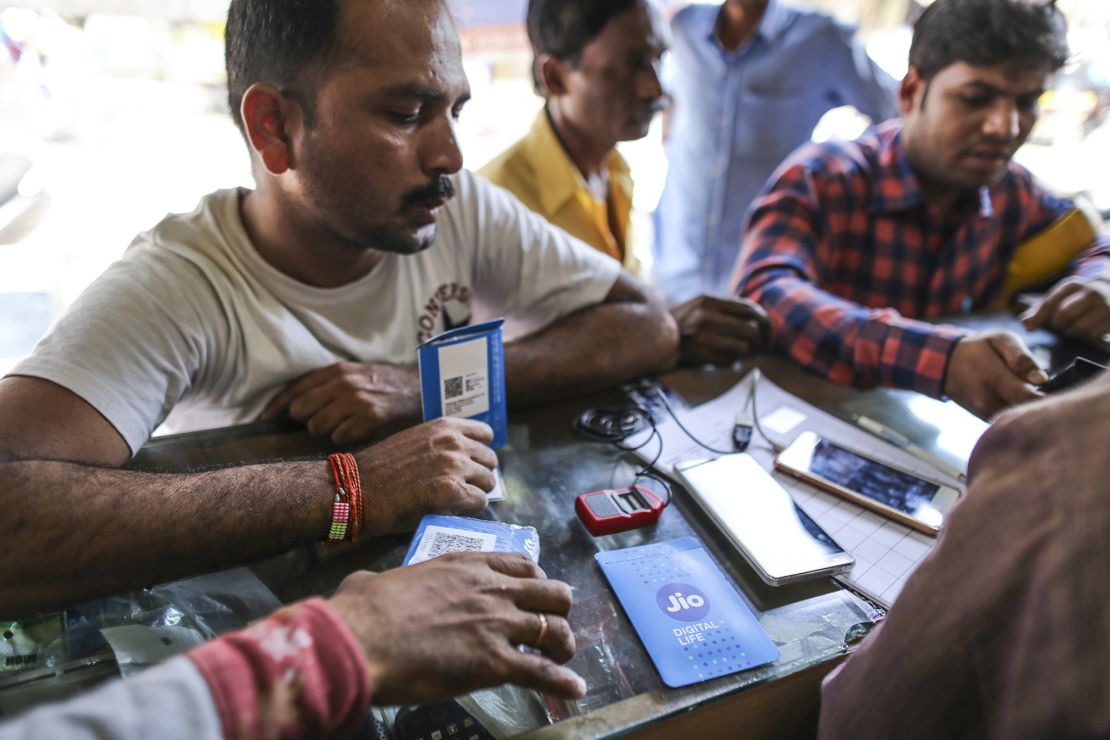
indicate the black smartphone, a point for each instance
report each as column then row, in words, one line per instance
column 442, row 721
column 1077, row 371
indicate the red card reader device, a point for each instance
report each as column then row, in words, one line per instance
column 618, row 509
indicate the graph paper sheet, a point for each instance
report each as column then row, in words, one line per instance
column 886, row 552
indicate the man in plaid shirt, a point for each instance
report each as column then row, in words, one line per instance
column 853, row 243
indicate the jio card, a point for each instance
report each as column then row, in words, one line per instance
column 689, row 617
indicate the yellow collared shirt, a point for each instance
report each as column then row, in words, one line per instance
column 538, row 171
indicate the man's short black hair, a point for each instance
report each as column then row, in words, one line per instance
column 563, row 28
column 281, row 43
column 1024, row 34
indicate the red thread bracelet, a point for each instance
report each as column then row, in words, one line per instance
column 348, row 486
column 354, row 487
column 340, row 511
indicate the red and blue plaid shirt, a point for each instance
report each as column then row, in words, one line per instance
column 845, row 255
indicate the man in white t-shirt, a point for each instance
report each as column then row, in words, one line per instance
column 307, row 296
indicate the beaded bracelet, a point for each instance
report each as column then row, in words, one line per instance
column 348, row 508
column 340, row 513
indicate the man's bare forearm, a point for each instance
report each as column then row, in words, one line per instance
column 73, row 532
column 627, row 336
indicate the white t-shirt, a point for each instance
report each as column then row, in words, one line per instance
column 193, row 320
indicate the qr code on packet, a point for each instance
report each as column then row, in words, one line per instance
column 438, row 541
column 453, row 387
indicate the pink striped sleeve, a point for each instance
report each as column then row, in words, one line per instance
column 298, row 673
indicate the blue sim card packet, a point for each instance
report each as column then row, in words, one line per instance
column 439, row 534
column 462, row 373
column 691, row 620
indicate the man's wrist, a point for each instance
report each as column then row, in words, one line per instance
column 916, row 356
column 311, row 512
column 947, row 364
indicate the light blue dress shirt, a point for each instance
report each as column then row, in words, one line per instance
column 737, row 115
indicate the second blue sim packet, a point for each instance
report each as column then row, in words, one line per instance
column 689, row 617
column 439, row 534
column 462, row 373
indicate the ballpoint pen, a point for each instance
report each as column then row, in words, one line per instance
column 904, row 443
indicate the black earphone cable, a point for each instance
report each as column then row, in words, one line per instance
column 614, row 425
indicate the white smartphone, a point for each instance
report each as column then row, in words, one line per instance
column 894, row 493
column 761, row 520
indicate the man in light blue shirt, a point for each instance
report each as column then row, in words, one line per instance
column 750, row 79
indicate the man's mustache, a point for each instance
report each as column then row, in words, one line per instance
column 647, row 110
column 439, row 189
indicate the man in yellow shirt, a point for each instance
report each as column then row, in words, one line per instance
column 540, row 172
column 596, row 64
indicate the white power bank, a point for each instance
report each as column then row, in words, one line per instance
column 760, row 519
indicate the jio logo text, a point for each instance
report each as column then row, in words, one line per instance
column 682, row 601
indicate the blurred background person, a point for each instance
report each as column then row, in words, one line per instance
column 750, row 80
column 596, row 64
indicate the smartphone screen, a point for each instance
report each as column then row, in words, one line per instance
column 886, row 485
column 921, row 504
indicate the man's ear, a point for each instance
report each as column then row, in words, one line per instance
column 269, row 118
column 913, row 85
column 553, row 76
